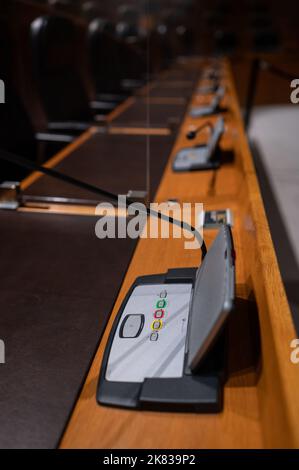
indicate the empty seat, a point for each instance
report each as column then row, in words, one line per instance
column 17, row 134
column 103, row 52
column 63, row 96
column 111, row 61
column 131, row 56
column 260, row 21
column 265, row 40
column 225, row 42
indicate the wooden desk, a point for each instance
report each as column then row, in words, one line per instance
column 261, row 403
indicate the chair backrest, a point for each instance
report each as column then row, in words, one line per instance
column 226, row 41
column 16, row 135
column 265, row 40
column 112, row 59
column 103, row 50
column 59, row 83
column 16, row 130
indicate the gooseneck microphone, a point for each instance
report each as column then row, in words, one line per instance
column 257, row 66
column 265, row 65
column 23, row 162
column 193, row 133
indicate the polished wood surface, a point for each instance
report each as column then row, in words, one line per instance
column 139, row 130
column 261, row 407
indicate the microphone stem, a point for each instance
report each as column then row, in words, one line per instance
column 192, row 134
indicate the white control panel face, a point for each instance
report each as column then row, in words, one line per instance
column 151, row 334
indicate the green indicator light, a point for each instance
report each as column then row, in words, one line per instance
column 161, row 303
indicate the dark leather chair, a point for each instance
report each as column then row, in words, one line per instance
column 17, row 134
column 61, row 88
column 225, row 42
column 260, row 21
column 117, row 68
column 103, row 52
column 265, row 40
column 161, row 40
column 132, row 53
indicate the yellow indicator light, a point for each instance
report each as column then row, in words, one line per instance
column 156, row 325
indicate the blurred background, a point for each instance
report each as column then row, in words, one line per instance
column 67, row 64
column 137, row 37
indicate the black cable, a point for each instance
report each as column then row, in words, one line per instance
column 23, row 162
column 265, row 65
column 256, row 67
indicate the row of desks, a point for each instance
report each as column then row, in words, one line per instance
column 60, row 282
column 260, row 406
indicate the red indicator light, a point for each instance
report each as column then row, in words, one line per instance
column 159, row 313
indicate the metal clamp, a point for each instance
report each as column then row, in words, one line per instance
column 10, row 195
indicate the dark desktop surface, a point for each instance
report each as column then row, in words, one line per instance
column 54, row 307
column 139, row 114
column 116, row 163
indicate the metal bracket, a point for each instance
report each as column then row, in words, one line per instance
column 10, row 195
column 215, row 218
column 138, row 196
column 11, row 198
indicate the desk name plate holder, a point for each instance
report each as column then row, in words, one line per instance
column 166, row 349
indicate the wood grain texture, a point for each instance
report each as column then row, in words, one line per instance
column 138, row 130
column 260, row 400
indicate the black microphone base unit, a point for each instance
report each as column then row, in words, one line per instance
column 203, row 157
column 167, row 347
column 215, row 106
column 196, row 159
column 201, row 392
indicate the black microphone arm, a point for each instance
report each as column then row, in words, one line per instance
column 193, row 133
column 265, row 65
column 257, row 66
column 30, row 165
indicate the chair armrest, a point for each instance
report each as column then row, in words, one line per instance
column 111, row 97
column 48, row 137
column 69, row 126
column 102, row 105
column 130, row 84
